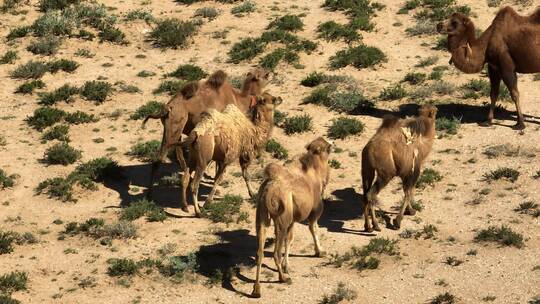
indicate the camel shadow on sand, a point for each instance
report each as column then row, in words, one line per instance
column 467, row 114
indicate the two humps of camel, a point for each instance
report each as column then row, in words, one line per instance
column 184, row 111
column 290, row 194
column 510, row 45
column 398, row 148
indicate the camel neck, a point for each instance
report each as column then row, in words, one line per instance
column 469, row 51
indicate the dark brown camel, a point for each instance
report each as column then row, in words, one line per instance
column 183, row 111
column 510, row 45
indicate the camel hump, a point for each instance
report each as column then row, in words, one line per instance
column 190, row 89
column 389, row 121
column 217, row 79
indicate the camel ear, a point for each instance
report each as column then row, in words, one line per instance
column 315, row 149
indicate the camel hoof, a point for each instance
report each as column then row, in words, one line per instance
column 377, row 228
column 519, row 126
column 368, row 229
column 285, row 279
column 410, row 211
column 486, row 123
column 320, row 254
column 185, row 209
column 397, row 224
column 256, row 291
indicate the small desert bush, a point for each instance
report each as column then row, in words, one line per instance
column 188, row 72
column 9, row 6
column 447, row 126
column 112, row 34
column 9, row 57
column 48, row 45
column 298, row 124
column 122, row 267
column 363, row 258
column 7, row 181
column 97, row 229
column 19, row 32
column 96, row 90
column 145, row 151
column 180, row 267
column 143, row 208
column 428, row 178
column 172, row 87
column 65, row 65
column 431, row 60
column 529, row 207
column 279, row 117
column 360, row 57
column 62, row 154
column 59, row 132
column 271, row 60
column 333, row 31
column 502, row 173
column 443, row 298
column 227, row 210
column 63, row 93
column 6, row 242
column 339, row 101
column 46, row 5
column 29, row 70
column 287, row 23
column 244, row 8
column 340, row 293
column 151, row 107
column 414, row 78
column 393, row 93
column 13, row 281
column 44, row 117
column 145, row 73
column 507, row 150
column 173, row 33
column 245, row 49
column 276, row 149
column 343, row 127
column 29, row 86
column 79, row 117
column 313, row 79
column 206, row 12
column 140, row 14
column 503, row 235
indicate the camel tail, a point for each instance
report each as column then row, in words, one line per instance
column 162, row 114
column 272, row 194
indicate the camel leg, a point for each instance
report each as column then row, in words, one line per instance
column 314, row 229
column 195, row 183
column 261, row 226
column 281, row 235
column 155, row 168
column 185, row 178
column 495, row 84
column 367, row 224
column 245, row 174
column 288, row 243
column 372, row 199
column 510, row 79
column 409, row 183
column 220, row 172
column 368, row 175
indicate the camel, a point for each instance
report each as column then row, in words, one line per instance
column 510, row 45
column 398, row 148
column 183, row 111
column 290, row 194
column 225, row 137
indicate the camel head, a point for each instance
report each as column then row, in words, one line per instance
column 458, row 27
column 319, row 146
column 256, row 80
column 429, row 111
column 264, row 108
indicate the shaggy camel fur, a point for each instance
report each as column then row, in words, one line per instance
column 399, row 148
column 290, row 194
column 183, row 112
column 510, row 45
column 225, row 137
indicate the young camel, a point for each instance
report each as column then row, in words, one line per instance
column 290, row 194
column 510, row 45
column 398, row 148
column 183, row 112
column 225, row 137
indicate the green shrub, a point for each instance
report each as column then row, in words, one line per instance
column 9, row 6
column 287, row 23
column 225, row 210
column 362, row 258
column 172, row 87
column 9, row 57
column 279, row 117
column 140, row 14
column 245, row 49
column 7, row 181
column 122, row 267
column 151, row 107
column 7, row 299
column 346, row 102
column 112, row 34
column 340, row 293
column 86, row 53
column 96, row 90
column 503, row 235
column 58, row 187
column 62, row 154
column 145, row 74
column 502, row 173
column 359, row 12
column 271, row 60
column 62, row 64
column 414, row 78
column 188, row 72
column 173, row 33
column 79, row 117
column 48, row 45
column 19, row 32
column 6, row 242
column 443, row 298
column 55, row 23
column 206, row 12
column 63, row 93
column 44, row 117
column 45, row 5
column 448, row 126
column 298, row 124
column 276, row 149
column 180, row 267
column 59, row 132
column 529, row 207
column 146, row 151
column 360, row 57
column 332, row 31
column 141, row 208
column 13, row 281
column 31, row 69
column 313, row 79
column 29, row 86
column 431, row 60
column 343, row 127
column 428, row 178
column 393, row 93
column 245, row 7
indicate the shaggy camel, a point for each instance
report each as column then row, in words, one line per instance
column 289, row 194
column 225, row 137
column 510, row 45
column 183, row 111
column 398, row 148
